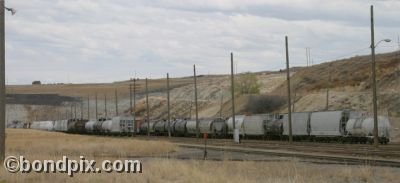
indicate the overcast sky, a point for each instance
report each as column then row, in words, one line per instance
column 109, row 40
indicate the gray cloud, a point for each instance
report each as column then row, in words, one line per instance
column 104, row 41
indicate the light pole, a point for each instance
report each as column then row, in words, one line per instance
column 3, row 81
column 374, row 97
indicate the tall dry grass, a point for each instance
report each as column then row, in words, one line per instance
column 41, row 143
column 46, row 145
column 162, row 170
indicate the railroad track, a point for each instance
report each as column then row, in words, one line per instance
column 390, row 151
column 336, row 159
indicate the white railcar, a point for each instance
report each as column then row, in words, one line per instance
column 61, row 125
column 254, row 125
column 191, row 127
column 106, row 126
column 239, row 119
column 122, row 124
column 364, row 127
column 43, row 125
column 328, row 123
column 89, row 126
column 300, row 124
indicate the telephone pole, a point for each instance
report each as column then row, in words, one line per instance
column 233, row 95
column 88, row 107
column 116, row 102
column 147, row 109
column 81, row 108
column 134, row 104
column 97, row 117
column 105, row 106
column 130, row 97
column 288, row 87
column 374, row 100
column 195, row 102
column 3, row 81
column 168, row 104
column 327, row 91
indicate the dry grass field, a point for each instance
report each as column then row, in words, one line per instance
column 49, row 145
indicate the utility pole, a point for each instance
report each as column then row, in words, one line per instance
column 116, row 102
column 190, row 109
column 105, row 106
column 294, row 98
column 195, row 102
column 134, row 104
column 97, row 118
column 88, row 107
column 75, row 110
column 147, row 109
column 327, row 91
column 233, row 94
column 288, row 87
column 2, row 86
column 169, row 117
column 222, row 101
column 130, row 97
column 374, row 99
column 72, row 112
column 81, row 108
column 307, row 56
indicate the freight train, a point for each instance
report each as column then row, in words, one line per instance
column 327, row 126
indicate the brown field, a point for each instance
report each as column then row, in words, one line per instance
column 46, row 145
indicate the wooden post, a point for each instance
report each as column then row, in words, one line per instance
column 288, row 88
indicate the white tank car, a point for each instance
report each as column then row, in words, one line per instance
column 239, row 119
column 364, row 127
column 205, row 126
column 43, row 125
column 106, row 126
column 300, row 124
column 61, row 125
column 191, row 127
column 254, row 125
column 89, row 126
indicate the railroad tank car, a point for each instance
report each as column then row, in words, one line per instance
column 106, row 126
column 253, row 125
column 122, row 125
column 172, row 126
column 239, row 119
column 191, row 127
column 61, row 125
column 180, row 127
column 89, row 126
column 205, row 126
column 361, row 129
column 76, row 125
column 97, row 127
column 263, row 125
column 274, row 126
column 144, row 125
column 219, row 128
column 300, row 124
column 43, row 125
column 160, row 127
